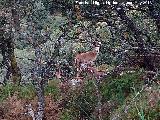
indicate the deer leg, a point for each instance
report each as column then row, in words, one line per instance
column 78, row 72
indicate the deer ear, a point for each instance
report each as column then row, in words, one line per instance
column 99, row 43
column 94, row 43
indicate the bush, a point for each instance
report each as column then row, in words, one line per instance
column 7, row 91
column 137, row 105
column 26, row 92
column 52, row 89
column 81, row 104
column 23, row 92
column 119, row 88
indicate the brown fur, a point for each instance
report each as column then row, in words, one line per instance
column 86, row 57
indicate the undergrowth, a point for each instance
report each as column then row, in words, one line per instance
column 27, row 91
column 122, row 98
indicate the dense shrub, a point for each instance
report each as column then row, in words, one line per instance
column 118, row 88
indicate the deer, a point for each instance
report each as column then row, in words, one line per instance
column 82, row 60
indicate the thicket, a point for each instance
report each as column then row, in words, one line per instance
column 39, row 37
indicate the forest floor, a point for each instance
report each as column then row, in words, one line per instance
column 15, row 109
column 60, row 101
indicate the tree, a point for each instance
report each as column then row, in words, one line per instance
column 9, row 29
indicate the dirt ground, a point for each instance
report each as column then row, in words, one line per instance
column 15, row 109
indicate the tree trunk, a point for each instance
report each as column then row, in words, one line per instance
column 13, row 68
column 7, row 49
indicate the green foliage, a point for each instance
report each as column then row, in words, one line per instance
column 39, row 14
column 137, row 107
column 86, row 101
column 58, row 21
column 142, row 111
column 47, row 4
column 23, row 92
column 82, row 103
column 7, row 91
column 52, row 89
column 66, row 115
column 26, row 92
column 118, row 88
column 144, row 24
column 5, row 3
column 104, row 33
column 153, row 113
